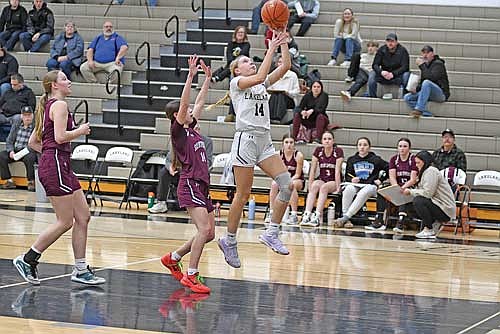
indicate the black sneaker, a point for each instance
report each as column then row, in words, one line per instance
column 399, row 228
column 375, row 226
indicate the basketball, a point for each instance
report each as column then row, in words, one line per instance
column 275, row 14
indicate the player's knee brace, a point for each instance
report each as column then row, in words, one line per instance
column 284, row 180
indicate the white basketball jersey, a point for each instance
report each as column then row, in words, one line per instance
column 251, row 106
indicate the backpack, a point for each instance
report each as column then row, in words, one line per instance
column 312, row 76
column 145, row 171
column 303, row 64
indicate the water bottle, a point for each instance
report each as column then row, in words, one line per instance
column 400, row 92
column 251, row 209
column 217, row 209
column 151, row 199
column 331, row 213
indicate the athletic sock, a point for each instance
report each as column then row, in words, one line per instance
column 192, row 271
column 32, row 256
column 175, row 256
column 81, row 264
column 231, row 238
column 273, row 229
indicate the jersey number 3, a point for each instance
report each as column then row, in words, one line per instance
column 259, row 109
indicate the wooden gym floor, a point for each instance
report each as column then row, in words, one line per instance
column 333, row 281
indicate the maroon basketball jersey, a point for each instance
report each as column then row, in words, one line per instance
column 403, row 168
column 48, row 136
column 327, row 163
column 291, row 164
column 190, row 151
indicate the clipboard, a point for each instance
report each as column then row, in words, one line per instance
column 298, row 8
column 393, row 194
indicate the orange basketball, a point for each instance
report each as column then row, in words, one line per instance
column 275, row 14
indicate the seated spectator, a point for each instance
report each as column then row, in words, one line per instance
column 347, row 38
column 328, row 158
column 359, row 70
column 17, row 97
column 169, row 175
column 307, row 18
column 8, row 67
column 293, row 49
column 105, row 54
column 67, row 51
column 16, row 142
column 294, row 162
column 40, row 27
column 403, row 173
column 449, row 155
column 12, row 24
column 238, row 45
column 363, row 172
column 433, row 84
column 391, row 65
column 311, row 115
column 433, row 200
column 256, row 18
column 283, row 93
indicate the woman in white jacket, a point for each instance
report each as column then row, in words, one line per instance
column 433, row 196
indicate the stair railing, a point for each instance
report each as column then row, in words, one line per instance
column 148, row 67
column 176, row 43
column 118, row 89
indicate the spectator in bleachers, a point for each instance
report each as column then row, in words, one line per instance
column 256, row 18
column 106, row 53
column 293, row 49
column 238, row 45
column 434, row 201
column 168, row 175
column 359, row 70
column 363, row 172
column 347, row 38
column 433, row 86
column 294, row 162
column 8, row 67
column 402, row 172
column 40, row 27
column 283, row 93
column 17, row 97
column 311, row 115
column 391, row 65
column 449, row 155
column 67, row 51
column 12, row 23
column 16, row 142
column 309, row 15
column 328, row 158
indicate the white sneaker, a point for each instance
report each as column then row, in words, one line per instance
column 345, row 64
column 426, row 234
column 349, row 79
column 86, row 276
column 314, row 221
column 346, row 95
column 332, row 62
column 293, row 220
column 306, row 217
column 160, row 207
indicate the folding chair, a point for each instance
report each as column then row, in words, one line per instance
column 156, row 160
column 88, row 155
column 115, row 156
column 485, row 181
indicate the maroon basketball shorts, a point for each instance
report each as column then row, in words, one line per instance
column 193, row 193
column 55, row 173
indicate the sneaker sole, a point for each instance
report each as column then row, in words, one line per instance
column 76, row 280
column 188, row 286
column 21, row 272
column 263, row 241
column 426, row 237
column 225, row 258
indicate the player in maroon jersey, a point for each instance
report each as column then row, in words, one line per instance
column 193, row 189
column 328, row 158
column 294, row 161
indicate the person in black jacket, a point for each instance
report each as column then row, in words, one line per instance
column 433, row 86
column 12, row 24
column 238, row 45
column 8, row 67
column 40, row 27
column 391, row 65
column 311, row 113
column 363, row 172
column 15, row 99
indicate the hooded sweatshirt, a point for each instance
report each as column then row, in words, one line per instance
column 435, row 71
column 366, row 168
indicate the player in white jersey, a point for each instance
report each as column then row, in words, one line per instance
column 252, row 145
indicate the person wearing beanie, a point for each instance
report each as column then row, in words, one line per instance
column 433, row 200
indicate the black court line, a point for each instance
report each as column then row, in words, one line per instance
column 156, row 302
column 260, row 225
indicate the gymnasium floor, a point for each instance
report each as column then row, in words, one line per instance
column 334, row 281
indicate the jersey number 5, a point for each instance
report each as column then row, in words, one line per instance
column 259, row 109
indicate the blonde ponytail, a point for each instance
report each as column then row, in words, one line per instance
column 39, row 112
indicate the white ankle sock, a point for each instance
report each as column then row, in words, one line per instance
column 175, row 256
column 80, row 264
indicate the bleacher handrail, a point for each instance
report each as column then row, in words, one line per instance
column 118, row 89
column 176, row 43
column 228, row 18
column 202, row 7
column 86, row 104
column 148, row 67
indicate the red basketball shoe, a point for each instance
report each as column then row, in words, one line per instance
column 193, row 282
column 175, row 267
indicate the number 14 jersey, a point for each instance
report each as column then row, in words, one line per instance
column 251, row 106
